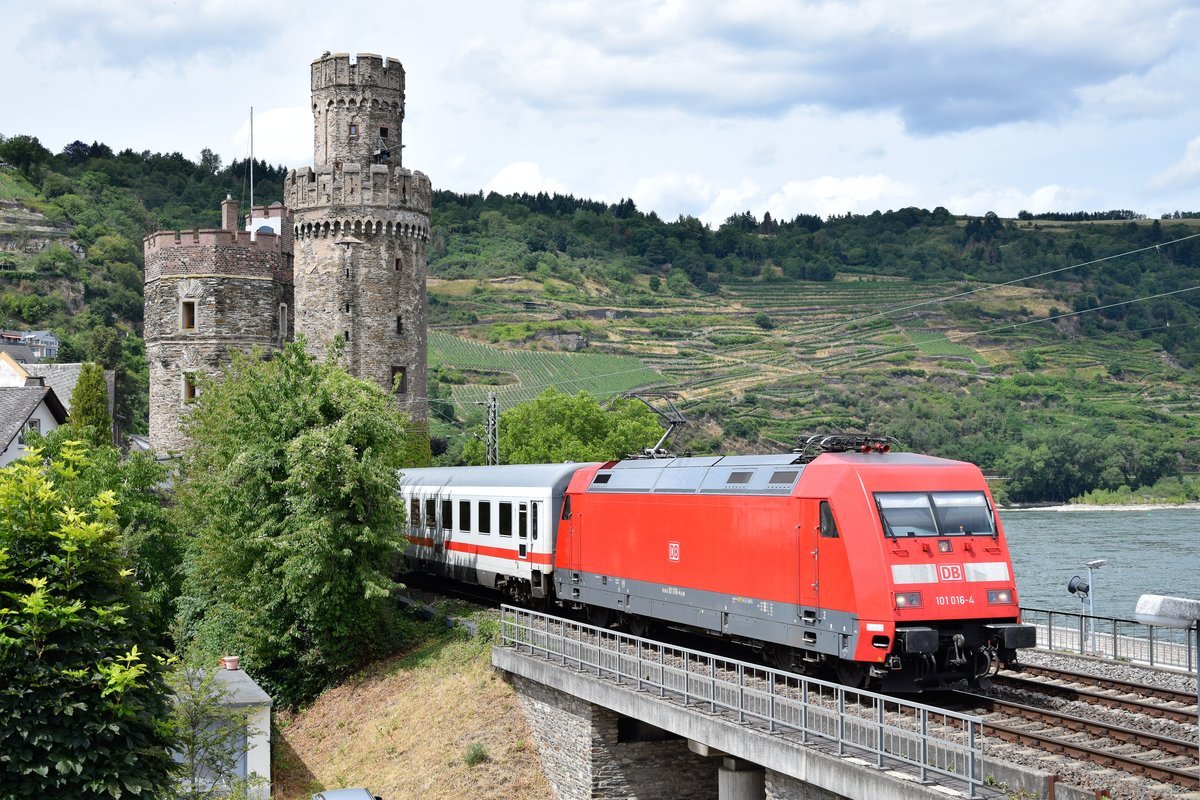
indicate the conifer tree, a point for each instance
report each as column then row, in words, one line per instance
column 89, row 404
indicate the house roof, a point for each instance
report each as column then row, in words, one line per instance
column 61, row 377
column 240, row 688
column 17, row 403
column 21, row 353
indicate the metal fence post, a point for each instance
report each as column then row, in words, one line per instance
column 841, row 721
column 662, row 673
column 741, row 693
column 771, row 706
column 879, row 733
column 924, row 745
column 971, row 760
column 712, row 684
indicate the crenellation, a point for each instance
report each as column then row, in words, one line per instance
column 353, row 229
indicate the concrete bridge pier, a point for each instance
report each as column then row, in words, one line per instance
column 740, row 780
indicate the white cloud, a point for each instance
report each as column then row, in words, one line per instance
column 1183, row 174
column 281, row 136
column 860, row 194
column 523, row 176
column 730, row 200
column 1007, row 201
column 672, row 190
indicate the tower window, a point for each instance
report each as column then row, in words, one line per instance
column 348, row 307
column 354, row 129
column 399, row 324
column 187, row 315
column 400, row 380
column 397, row 264
column 283, row 320
column 383, row 132
column 189, row 387
column 346, row 335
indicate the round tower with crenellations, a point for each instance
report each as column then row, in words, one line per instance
column 208, row 292
column 361, row 227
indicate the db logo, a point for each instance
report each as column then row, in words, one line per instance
column 950, row 572
column 673, row 551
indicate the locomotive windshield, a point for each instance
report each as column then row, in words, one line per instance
column 935, row 513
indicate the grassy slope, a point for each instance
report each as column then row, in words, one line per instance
column 402, row 726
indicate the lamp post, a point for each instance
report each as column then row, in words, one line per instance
column 1173, row 612
column 1097, row 564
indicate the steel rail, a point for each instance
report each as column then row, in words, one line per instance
column 1185, row 715
column 1133, row 764
column 1173, row 695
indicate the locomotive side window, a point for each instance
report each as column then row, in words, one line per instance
column 485, row 516
column 934, row 513
column 505, row 519
column 448, row 514
column 464, row 516
column 523, row 521
column 414, row 513
column 828, row 524
column 430, row 513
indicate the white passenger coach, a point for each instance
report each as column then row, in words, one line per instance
column 494, row 526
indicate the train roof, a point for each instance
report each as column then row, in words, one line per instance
column 761, row 474
column 517, row 476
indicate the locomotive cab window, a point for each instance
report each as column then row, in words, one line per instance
column 829, row 528
column 935, row 513
column 566, row 512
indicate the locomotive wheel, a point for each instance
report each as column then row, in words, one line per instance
column 851, row 674
column 598, row 616
column 639, row 626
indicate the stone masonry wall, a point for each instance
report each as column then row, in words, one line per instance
column 582, row 756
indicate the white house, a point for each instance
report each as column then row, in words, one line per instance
column 33, row 406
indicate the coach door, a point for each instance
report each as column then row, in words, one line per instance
column 523, row 530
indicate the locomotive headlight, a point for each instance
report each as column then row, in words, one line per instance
column 908, row 599
column 1000, row 597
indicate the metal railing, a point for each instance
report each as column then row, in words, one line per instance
column 1118, row 639
column 885, row 731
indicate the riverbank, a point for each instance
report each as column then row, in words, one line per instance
column 1148, row 507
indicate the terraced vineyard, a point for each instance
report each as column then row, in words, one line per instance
column 524, row 374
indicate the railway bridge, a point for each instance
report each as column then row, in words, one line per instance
column 619, row 716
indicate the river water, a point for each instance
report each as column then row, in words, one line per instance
column 1148, row 552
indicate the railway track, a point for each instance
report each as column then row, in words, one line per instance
column 1136, row 752
column 1153, row 701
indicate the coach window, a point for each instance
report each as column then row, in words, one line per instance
column 523, row 521
column 505, row 519
column 448, row 514
column 464, row 516
column 430, row 513
column 485, row 516
column 414, row 513
column 828, row 523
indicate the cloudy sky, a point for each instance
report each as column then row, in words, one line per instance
column 687, row 106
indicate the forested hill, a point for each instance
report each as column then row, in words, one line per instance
column 1040, row 341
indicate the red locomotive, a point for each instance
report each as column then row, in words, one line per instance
column 881, row 565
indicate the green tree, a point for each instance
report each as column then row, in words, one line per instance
column 89, row 405
column 83, row 699
column 288, row 496
column 555, row 427
column 147, row 537
column 210, row 736
column 25, row 153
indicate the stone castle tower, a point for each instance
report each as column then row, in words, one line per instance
column 344, row 259
column 208, row 291
column 362, row 222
